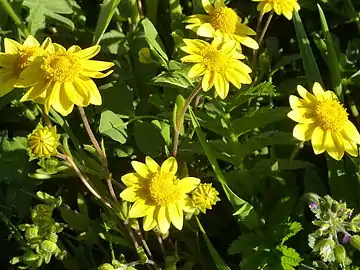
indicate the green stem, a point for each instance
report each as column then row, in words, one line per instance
column 296, row 150
column 17, row 20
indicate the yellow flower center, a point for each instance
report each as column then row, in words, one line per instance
column 224, row 19
column 163, row 189
column 214, row 59
column 26, row 56
column 61, row 67
column 330, row 115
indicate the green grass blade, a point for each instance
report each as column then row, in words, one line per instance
column 244, row 211
column 331, row 56
column 106, row 13
column 307, row 56
column 176, row 15
column 219, row 262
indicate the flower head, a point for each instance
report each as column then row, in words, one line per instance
column 43, row 141
column 218, row 63
column 324, row 121
column 285, row 7
column 15, row 59
column 158, row 195
column 222, row 22
column 62, row 78
column 145, row 56
column 204, row 197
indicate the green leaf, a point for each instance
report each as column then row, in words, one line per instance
column 257, row 119
column 106, row 13
column 172, row 79
column 112, row 126
column 292, row 229
column 331, row 56
column 76, row 221
column 290, row 258
column 244, row 243
column 148, row 138
column 39, row 9
column 219, row 262
column 307, row 56
column 153, row 39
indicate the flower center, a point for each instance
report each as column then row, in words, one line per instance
column 26, row 56
column 61, row 67
column 214, row 60
column 163, row 189
column 224, row 19
column 331, row 115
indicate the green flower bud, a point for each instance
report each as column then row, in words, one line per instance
column 325, row 248
column 31, row 233
column 340, row 255
column 106, row 266
column 30, row 257
column 41, row 213
column 355, row 241
column 48, row 246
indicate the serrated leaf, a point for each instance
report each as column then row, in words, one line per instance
column 172, row 79
column 112, row 126
column 290, row 258
column 293, row 229
column 244, row 243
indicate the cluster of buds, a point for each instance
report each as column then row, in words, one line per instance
column 337, row 228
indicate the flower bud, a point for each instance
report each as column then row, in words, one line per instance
column 325, row 248
column 48, row 246
column 145, row 56
column 43, row 142
column 31, row 233
column 340, row 255
column 106, row 266
column 204, row 197
column 355, row 241
column 346, row 239
column 30, row 257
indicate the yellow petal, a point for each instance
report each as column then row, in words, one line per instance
column 243, row 30
column 62, row 103
column 241, row 67
column 296, row 102
column 318, row 91
column 334, row 145
column 197, row 19
column 152, row 165
column 301, row 115
column 95, row 74
column 12, row 46
column 52, row 93
column 192, row 58
column 169, row 166
column 93, row 65
column 88, row 52
column 90, row 86
column 35, row 91
column 317, row 140
column 206, row 30
column 221, row 86
column 207, row 6
column 231, row 75
column 188, row 184
column 149, row 223
column 208, row 80
column 176, row 216
column 129, row 194
column 163, row 220
column 7, row 60
column 7, row 86
column 197, row 70
column 303, row 132
column 74, row 49
column 248, row 42
column 47, row 43
column 30, row 41
column 76, row 94
column 305, row 94
column 131, row 179
column 228, row 47
column 351, row 147
column 351, row 132
column 141, row 169
column 288, row 13
column 219, row 3
column 139, row 209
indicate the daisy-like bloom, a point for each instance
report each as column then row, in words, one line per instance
column 43, row 141
column 15, row 59
column 158, row 195
column 281, row 7
column 324, row 121
column 218, row 63
column 222, row 22
column 204, row 197
column 62, row 78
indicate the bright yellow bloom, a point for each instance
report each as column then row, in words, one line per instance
column 43, row 142
column 204, row 197
column 324, row 121
column 15, row 59
column 218, row 64
column 285, row 7
column 62, row 78
column 158, row 195
column 222, row 22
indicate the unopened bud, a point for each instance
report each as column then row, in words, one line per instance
column 106, row 266
column 340, row 255
column 355, row 241
column 346, row 239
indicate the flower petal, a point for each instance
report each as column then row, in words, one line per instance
column 176, row 216
column 318, row 91
column 188, row 184
column 334, row 145
column 163, row 220
column 248, row 42
column 141, row 169
column 296, row 102
column 207, row 6
column 317, row 140
column 206, row 30
column 169, row 166
column 12, row 46
column 352, row 132
column 62, row 103
column 76, row 94
column 139, row 209
column 208, row 81
column 351, row 147
column 30, row 41
column 221, row 87
column 303, row 132
column 131, row 179
column 305, row 94
column 88, row 52
column 197, row 70
column 301, row 115
column 149, row 223
column 152, row 165
column 129, row 194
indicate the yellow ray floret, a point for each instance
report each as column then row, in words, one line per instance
column 62, row 78
column 16, row 58
column 281, row 7
column 222, row 22
column 324, row 121
column 218, row 64
column 158, row 195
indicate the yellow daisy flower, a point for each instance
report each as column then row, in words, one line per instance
column 62, row 78
column 218, row 63
column 204, row 197
column 324, row 121
column 222, row 22
column 15, row 59
column 43, row 142
column 158, row 195
column 284, row 7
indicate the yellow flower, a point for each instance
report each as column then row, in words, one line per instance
column 62, row 78
column 158, row 195
column 15, row 59
column 43, row 142
column 222, row 22
column 145, row 56
column 324, row 121
column 204, row 197
column 285, row 7
column 218, row 64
